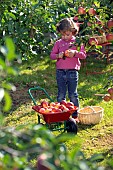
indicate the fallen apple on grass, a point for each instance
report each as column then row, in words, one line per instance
column 107, row 97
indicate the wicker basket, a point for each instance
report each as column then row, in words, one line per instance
column 90, row 115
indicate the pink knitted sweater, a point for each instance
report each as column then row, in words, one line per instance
column 69, row 63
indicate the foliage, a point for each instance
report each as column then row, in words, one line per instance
column 28, row 26
column 7, row 68
column 33, row 30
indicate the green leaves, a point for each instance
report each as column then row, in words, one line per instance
column 8, row 102
column 10, row 49
column 7, row 58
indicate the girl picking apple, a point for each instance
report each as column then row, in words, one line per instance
column 67, row 61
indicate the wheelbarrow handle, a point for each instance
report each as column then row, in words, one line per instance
column 38, row 88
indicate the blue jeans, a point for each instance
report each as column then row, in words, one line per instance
column 67, row 80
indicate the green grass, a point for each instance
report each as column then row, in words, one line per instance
column 41, row 72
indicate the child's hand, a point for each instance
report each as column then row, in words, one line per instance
column 70, row 53
column 60, row 55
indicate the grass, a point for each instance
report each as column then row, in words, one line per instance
column 41, row 72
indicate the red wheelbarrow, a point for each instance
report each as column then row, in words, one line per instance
column 54, row 121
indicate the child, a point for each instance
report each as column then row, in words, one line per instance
column 67, row 67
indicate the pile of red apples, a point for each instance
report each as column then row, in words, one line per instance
column 55, row 107
column 109, row 96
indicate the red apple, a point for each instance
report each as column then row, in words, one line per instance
column 42, row 110
column 64, row 102
column 109, row 37
column 57, row 105
column 107, row 97
column 110, row 90
column 66, row 53
column 88, row 24
column 62, row 107
column 69, row 104
column 48, row 110
column 92, row 11
column 93, row 41
column 70, row 107
column 44, row 104
column 38, row 107
column 52, row 104
column 99, row 22
column 75, row 18
column 81, row 10
column 65, row 109
column 110, row 23
column 56, row 110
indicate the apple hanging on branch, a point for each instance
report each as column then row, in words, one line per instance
column 110, row 23
column 93, row 41
column 92, row 11
column 81, row 10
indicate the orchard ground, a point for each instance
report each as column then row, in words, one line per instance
column 95, row 138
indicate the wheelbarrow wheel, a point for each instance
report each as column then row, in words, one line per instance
column 71, row 126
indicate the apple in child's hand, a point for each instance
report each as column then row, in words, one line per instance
column 110, row 90
column 66, row 53
column 44, row 104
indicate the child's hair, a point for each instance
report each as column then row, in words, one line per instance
column 67, row 24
